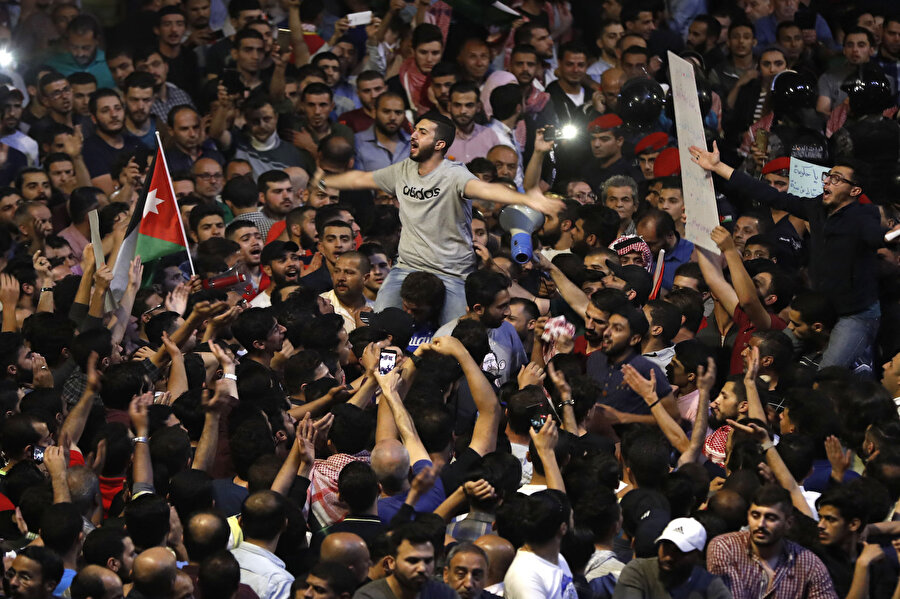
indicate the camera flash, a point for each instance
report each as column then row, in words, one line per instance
column 568, row 132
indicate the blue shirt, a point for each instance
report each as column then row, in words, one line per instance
column 64, row 583
column 614, row 391
column 65, row 63
column 766, row 28
column 389, row 506
column 372, row 155
column 679, row 254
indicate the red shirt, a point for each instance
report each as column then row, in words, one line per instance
column 745, row 330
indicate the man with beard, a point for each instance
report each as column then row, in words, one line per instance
column 109, row 139
column 351, row 273
column 487, row 297
column 472, row 140
column 620, row 347
column 83, row 53
column 33, row 220
column 595, row 227
column 555, row 234
column 608, row 33
column 538, row 37
column 300, row 224
column 11, row 114
column 246, row 235
column 34, row 573
column 431, row 192
column 34, row 185
column 279, row 262
column 55, row 93
column 411, row 562
column 138, row 93
column 369, row 85
column 205, row 222
column 111, row 548
column 317, row 104
column 675, row 570
column 384, row 143
column 276, row 197
column 762, row 558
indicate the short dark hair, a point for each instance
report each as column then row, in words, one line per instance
column 482, row 286
column 103, row 92
column 82, row 78
column 316, row 89
column 814, row 307
column 270, row 176
column 692, row 354
column 690, row 303
column 147, row 520
column 545, row 511
column 444, row 129
column 414, row 533
column 60, row 527
column 219, row 575
column 82, row 24
column 665, row 315
column 713, row 27
column 103, row 543
column 263, row 515
column 358, row 486
column 51, row 563
column 425, row 34
column 202, row 211
column 140, row 80
column 770, row 495
column 637, row 322
column 241, row 192
column 247, row 33
column 82, row 200
column 504, row 100
column 571, row 48
column 857, row 30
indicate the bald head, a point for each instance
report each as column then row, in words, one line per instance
column 500, row 554
column 84, row 488
column 390, row 461
column 96, row 582
column 204, row 534
column 349, row 550
column 154, row 573
column 202, row 164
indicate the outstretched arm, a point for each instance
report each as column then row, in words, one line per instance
column 742, row 282
column 348, row 180
column 494, row 192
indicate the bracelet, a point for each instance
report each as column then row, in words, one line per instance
column 230, row 376
column 321, row 184
column 568, row 402
column 43, row 289
column 137, row 440
column 654, row 403
column 767, row 446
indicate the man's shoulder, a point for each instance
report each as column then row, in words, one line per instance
column 377, row 589
column 730, row 541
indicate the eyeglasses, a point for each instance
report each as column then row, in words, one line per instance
column 584, row 195
column 835, row 179
column 59, row 93
column 209, row 176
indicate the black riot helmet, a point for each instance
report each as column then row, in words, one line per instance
column 641, row 101
column 792, row 92
column 868, row 89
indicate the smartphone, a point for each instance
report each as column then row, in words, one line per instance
column 284, row 39
column 762, row 140
column 231, row 79
column 356, row 19
column 38, row 454
column 387, row 360
column 538, row 421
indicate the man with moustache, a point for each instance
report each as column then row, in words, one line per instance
column 279, row 261
column 434, row 204
column 138, row 93
column 351, row 273
column 109, row 139
column 384, row 143
column 675, row 571
column 555, row 234
column 277, row 198
column 762, row 558
column 620, row 350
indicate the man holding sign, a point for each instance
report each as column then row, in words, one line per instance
column 844, row 237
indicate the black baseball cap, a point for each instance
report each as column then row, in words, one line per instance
column 636, row 277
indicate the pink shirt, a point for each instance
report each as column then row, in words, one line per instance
column 477, row 145
column 76, row 240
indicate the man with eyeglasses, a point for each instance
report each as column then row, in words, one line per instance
column 208, row 179
column 55, row 93
column 844, row 237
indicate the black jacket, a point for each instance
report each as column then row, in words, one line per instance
column 843, row 262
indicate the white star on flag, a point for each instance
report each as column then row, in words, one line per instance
column 151, row 203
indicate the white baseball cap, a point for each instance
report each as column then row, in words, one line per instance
column 686, row 533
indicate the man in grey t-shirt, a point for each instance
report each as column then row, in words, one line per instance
column 435, row 211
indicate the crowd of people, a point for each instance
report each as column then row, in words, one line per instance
column 354, row 379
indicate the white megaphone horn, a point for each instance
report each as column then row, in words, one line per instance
column 521, row 222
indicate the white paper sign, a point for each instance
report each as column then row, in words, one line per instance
column 805, row 178
column 697, row 185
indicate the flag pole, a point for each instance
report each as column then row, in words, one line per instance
column 187, row 245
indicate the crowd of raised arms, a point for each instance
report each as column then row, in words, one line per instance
column 409, row 299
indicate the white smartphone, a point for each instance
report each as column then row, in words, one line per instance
column 386, row 361
column 359, row 18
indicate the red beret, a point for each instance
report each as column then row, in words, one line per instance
column 654, row 142
column 779, row 164
column 605, row 122
column 667, row 163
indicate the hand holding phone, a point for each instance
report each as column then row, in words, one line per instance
column 355, row 19
column 387, row 361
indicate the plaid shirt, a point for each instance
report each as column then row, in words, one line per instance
column 323, row 489
column 799, row 574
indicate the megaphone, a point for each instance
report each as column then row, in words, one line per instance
column 521, row 221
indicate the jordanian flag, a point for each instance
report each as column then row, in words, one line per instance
column 155, row 229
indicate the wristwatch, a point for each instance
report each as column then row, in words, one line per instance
column 321, row 184
column 137, row 440
column 767, row 446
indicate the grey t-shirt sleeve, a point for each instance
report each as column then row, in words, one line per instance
column 386, row 178
column 460, row 177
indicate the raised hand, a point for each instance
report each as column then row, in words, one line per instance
column 530, row 374
column 646, row 388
